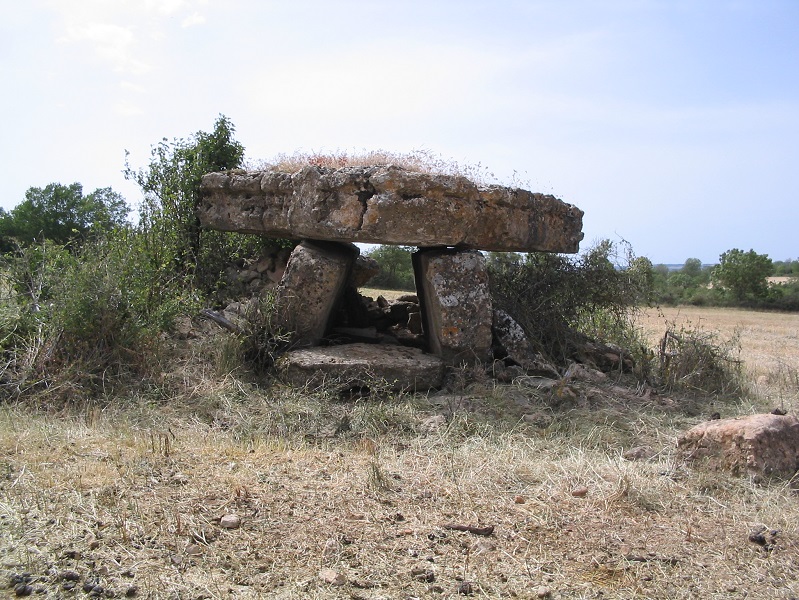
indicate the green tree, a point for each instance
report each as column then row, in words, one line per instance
column 62, row 214
column 503, row 260
column 743, row 274
column 171, row 186
column 396, row 267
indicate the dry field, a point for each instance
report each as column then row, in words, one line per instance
column 769, row 344
column 232, row 490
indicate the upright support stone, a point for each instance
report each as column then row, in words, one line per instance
column 456, row 303
column 314, row 280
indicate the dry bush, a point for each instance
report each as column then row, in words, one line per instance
column 697, row 360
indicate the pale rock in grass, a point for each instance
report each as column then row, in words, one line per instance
column 231, row 521
column 332, row 577
column 761, row 444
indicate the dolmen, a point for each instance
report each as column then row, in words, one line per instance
column 450, row 220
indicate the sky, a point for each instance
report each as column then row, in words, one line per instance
column 673, row 124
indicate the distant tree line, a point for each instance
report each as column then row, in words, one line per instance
column 739, row 279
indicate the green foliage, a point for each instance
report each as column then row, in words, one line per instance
column 168, row 214
column 396, row 268
column 62, row 214
column 786, row 268
column 81, row 322
column 743, row 274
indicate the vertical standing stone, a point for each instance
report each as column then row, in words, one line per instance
column 314, row 280
column 456, row 303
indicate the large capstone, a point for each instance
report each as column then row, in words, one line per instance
column 388, row 205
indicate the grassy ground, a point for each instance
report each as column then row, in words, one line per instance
column 231, row 489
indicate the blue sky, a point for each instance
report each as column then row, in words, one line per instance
column 673, row 124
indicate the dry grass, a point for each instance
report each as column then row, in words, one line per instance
column 387, row 294
column 769, row 344
column 129, row 495
column 423, row 161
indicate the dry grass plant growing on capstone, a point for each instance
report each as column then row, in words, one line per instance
column 423, row 161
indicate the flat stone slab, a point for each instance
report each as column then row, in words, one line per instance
column 388, row 205
column 350, row 365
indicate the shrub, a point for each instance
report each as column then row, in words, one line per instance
column 695, row 360
column 556, row 299
column 83, row 322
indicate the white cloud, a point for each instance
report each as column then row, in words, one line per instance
column 194, row 19
column 165, row 7
column 129, row 86
column 112, row 44
column 128, row 109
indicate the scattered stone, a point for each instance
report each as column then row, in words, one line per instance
column 70, row 576
column 231, row 521
column 23, row 589
column 465, row 588
column 539, row 419
column 543, row 592
column 363, row 270
column 388, row 205
column 512, row 342
column 423, row 574
column 332, row 577
column 639, row 453
column 519, row 499
column 535, row 382
column 194, row 550
column 400, row 367
column 482, row 546
column 578, row 372
column 764, row 537
column 580, row 492
column 131, row 591
column 761, row 444
column 433, row 424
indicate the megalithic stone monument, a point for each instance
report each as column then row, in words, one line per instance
column 450, row 218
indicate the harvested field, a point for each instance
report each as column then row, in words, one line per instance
column 769, row 344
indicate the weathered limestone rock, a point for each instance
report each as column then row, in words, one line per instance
column 754, row 444
column 350, row 365
column 314, row 279
column 364, row 269
column 510, row 336
column 456, row 304
column 388, row 205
